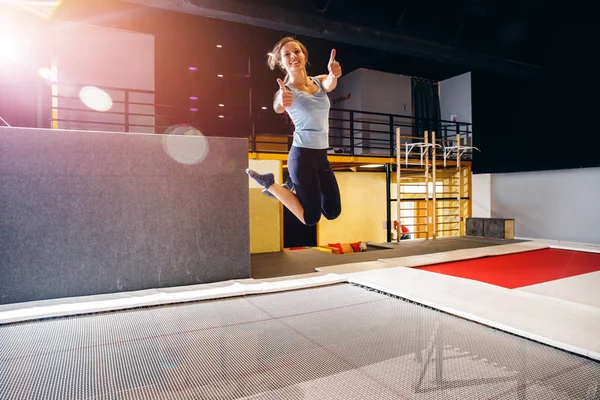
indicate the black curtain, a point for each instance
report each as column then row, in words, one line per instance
column 426, row 108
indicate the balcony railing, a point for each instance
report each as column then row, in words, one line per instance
column 128, row 110
column 373, row 134
column 351, row 132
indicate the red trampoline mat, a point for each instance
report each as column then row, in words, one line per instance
column 522, row 269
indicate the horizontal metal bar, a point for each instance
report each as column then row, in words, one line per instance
column 411, row 117
column 118, row 89
column 270, row 142
column 103, row 123
column 437, row 199
column 446, row 140
column 103, row 112
column 271, row 134
column 419, row 184
column 114, row 101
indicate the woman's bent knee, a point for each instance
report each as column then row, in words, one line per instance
column 311, row 218
column 332, row 214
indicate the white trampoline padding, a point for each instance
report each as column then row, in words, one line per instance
column 581, row 289
column 565, row 325
column 462, row 254
column 19, row 312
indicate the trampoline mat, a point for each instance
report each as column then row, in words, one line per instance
column 334, row 342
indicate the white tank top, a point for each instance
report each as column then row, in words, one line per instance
column 310, row 116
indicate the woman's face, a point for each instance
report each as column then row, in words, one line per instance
column 292, row 57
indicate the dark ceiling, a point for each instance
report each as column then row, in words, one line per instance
column 503, row 36
column 508, row 30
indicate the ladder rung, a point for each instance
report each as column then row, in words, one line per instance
column 418, row 184
column 447, row 230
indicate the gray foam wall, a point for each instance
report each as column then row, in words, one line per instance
column 559, row 205
column 85, row 213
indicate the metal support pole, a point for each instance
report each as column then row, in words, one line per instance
column 127, row 111
column 427, row 217
column 398, row 191
column 459, row 195
column 391, row 135
column 434, row 188
column 388, row 200
column 352, row 133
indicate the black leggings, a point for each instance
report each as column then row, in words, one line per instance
column 315, row 184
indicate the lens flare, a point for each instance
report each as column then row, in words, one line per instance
column 95, row 98
column 185, row 150
column 48, row 74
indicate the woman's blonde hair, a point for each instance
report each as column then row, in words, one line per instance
column 274, row 60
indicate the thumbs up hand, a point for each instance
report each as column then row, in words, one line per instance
column 285, row 96
column 334, row 66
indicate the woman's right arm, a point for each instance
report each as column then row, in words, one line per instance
column 283, row 98
column 279, row 109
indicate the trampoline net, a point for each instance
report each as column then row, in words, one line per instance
column 335, row 342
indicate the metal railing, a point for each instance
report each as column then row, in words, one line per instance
column 351, row 132
column 355, row 133
column 123, row 110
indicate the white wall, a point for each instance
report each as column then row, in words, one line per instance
column 481, row 196
column 375, row 91
column 556, row 205
column 455, row 98
column 386, row 93
column 348, row 96
column 96, row 56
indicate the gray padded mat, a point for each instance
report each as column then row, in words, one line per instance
column 335, row 342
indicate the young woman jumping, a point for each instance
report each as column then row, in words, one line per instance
column 305, row 100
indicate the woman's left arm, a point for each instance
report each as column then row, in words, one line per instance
column 335, row 71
